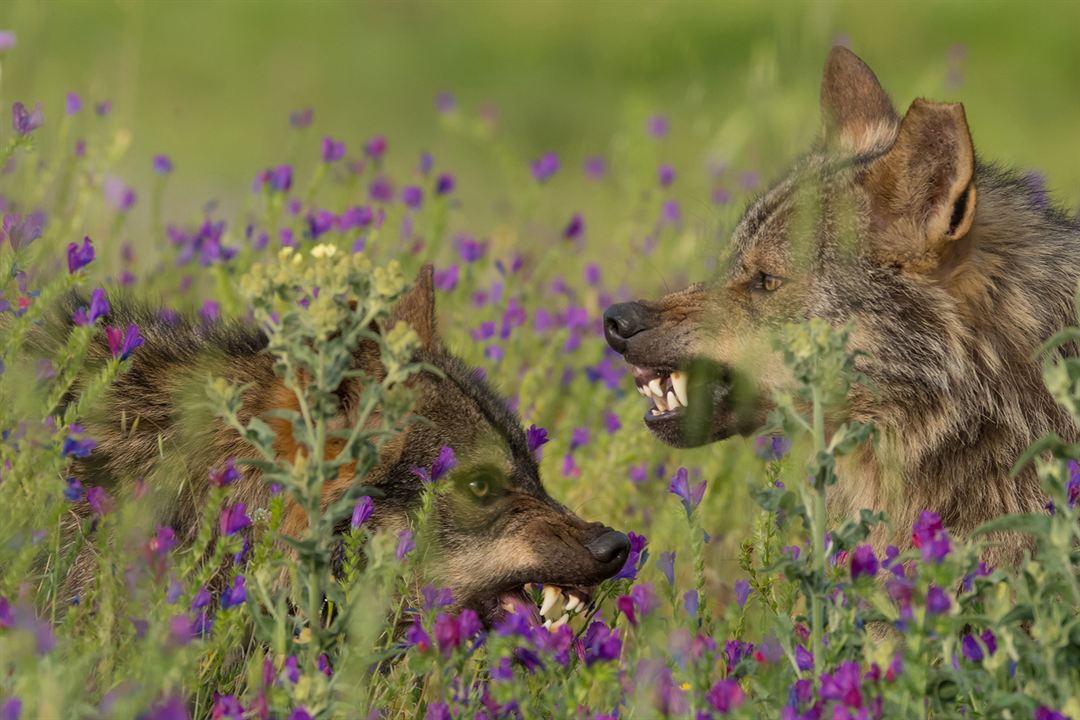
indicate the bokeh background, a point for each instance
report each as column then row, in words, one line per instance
column 211, row 84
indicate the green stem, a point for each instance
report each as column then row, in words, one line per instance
column 817, row 522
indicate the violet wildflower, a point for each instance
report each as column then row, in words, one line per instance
column 937, row 601
column 1045, row 713
column 79, row 257
column 666, row 175
column 234, row 519
column 545, row 166
column 469, row 249
column 444, row 184
column 103, row 108
column 1072, row 489
column 162, row 164
column 226, row 706
column 658, row 126
column 742, row 592
column 99, row 307
column 535, row 437
column 412, row 196
column 332, row 150
column 844, row 685
column 636, row 558
column 863, row 562
column 21, row 231
column 771, row 447
column 405, row 544
column 671, row 212
column 323, row 663
column 971, row 648
column 447, row 279
column 210, row 311
column 691, row 497
column 601, row 644
column 123, row 343
column 721, row 196
column 235, row 595
column 26, row 121
column 612, row 423
column 301, row 118
column 575, row 228
column 416, row 637
column 74, row 490
column 438, row 711
column 181, row 630
column 299, row 713
column 7, row 619
column 381, row 190
column 804, row 659
column 363, row 509
column 929, row 535
column 76, row 448
column 11, row 709
column 291, row 669
column 595, row 167
column 444, row 463
column 120, row 195
column 691, row 602
column 435, row 598
column 7, row 40
column 725, row 696
column 224, row 476
column 276, row 180
column 163, row 541
column 376, row 147
column 578, row 438
column 666, row 563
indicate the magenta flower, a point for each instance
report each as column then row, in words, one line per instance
column 405, row 544
column 937, row 601
column 416, row 637
column 79, row 257
column 78, row 448
column 123, row 343
column 929, row 535
column 844, row 685
column 98, row 500
column 725, row 696
column 226, row 706
column 636, row 558
column 691, row 497
column 1045, row 713
column 376, row 147
column 658, row 126
column 863, row 562
column 72, row 103
column 163, row 541
column 666, row 175
column 235, row 595
column 7, row 40
column 162, row 164
column 595, row 167
column 332, row 150
column 120, row 196
column 545, row 166
column 300, row 713
column 11, row 708
column 20, row 231
column 362, row 511
column 26, row 121
column 225, row 476
column 574, row 229
column 412, row 196
column 447, row 279
column 601, row 644
column 234, row 519
column 671, row 213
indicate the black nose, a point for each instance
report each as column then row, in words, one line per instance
column 622, row 321
column 610, row 548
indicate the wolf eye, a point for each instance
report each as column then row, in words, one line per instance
column 480, row 488
column 766, row 282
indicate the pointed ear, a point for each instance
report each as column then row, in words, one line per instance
column 417, row 307
column 923, row 189
column 856, row 114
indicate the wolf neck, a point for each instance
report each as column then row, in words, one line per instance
column 1009, row 286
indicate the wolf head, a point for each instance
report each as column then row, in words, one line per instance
column 495, row 530
column 874, row 226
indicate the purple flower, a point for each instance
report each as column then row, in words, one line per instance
column 725, row 696
column 416, row 637
column 666, row 175
column 210, row 311
column 226, row 706
column 21, row 231
column 121, row 343
column 435, row 598
column 636, row 558
column 7, row 40
column 103, row 108
column 277, row 180
column 376, row 147
column 121, row 196
column 235, row 595
column 300, row 713
column 163, row 541
column 412, row 196
column 545, row 166
column 79, row 257
column 863, row 562
column 844, row 685
column 225, row 476
column 612, row 423
column 804, row 659
column 25, row 121
column 445, row 102
column 181, row 630
column 1045, row 713
column 971, row 648
column 162, row 164
column 446, row 280
column 469, row 249
column 937, row 602
column 444, row 184
column 72, row 103
column 11, row 709
column 365, row 506
column 332, row 150
column 405, row 544
column 234, row 519
column 671, row 212
column 595, row 167
column 575, row 228
column 601, row 644
column 1072, row 489
column 658, row 126
column 77, row 448
column 172, row 707
column 7, row 619
column 444, row 463
column 928, row 534
column 301, row 118
column 771, row 447
column 691, row 497
column 438, row 711
column 742, row 592
column 535, row 437
column 578, row 438
column 691, row 602
column 667, row 566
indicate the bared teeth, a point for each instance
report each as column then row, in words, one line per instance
column 654, row 387
column 573, row 602
column 679, row 382
column 561, row 621
column 672, row 401
column 551, row 596
column 661, row 404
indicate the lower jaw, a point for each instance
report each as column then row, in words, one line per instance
column 672, row 427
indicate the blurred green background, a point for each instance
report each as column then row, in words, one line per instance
column 211, row 83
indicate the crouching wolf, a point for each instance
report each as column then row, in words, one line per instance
column 495, row 529
column 952, row 272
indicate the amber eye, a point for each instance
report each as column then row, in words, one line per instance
column 768, row 283
column 479, row 488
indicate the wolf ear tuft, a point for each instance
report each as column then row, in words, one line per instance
column 417, row 306
column 923, row 188
column 856, row 113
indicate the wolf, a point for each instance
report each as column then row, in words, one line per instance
column 496, row 530
column 952, row 272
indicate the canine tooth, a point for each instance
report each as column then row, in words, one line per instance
column 508, row 606
column 679, row 382
column 547, row 624
column 551, row 596
column 655, row 412
column 642, row 391
column 573, row 602
column 672, row 401
column 660, row 403
column 561, row 621
column 654, row 386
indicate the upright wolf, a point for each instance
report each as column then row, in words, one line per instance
column 953, row 272
column 496, row 529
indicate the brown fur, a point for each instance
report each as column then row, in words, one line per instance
column 953, row 273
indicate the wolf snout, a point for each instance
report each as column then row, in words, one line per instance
column 609, row 548
column 624, row 320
